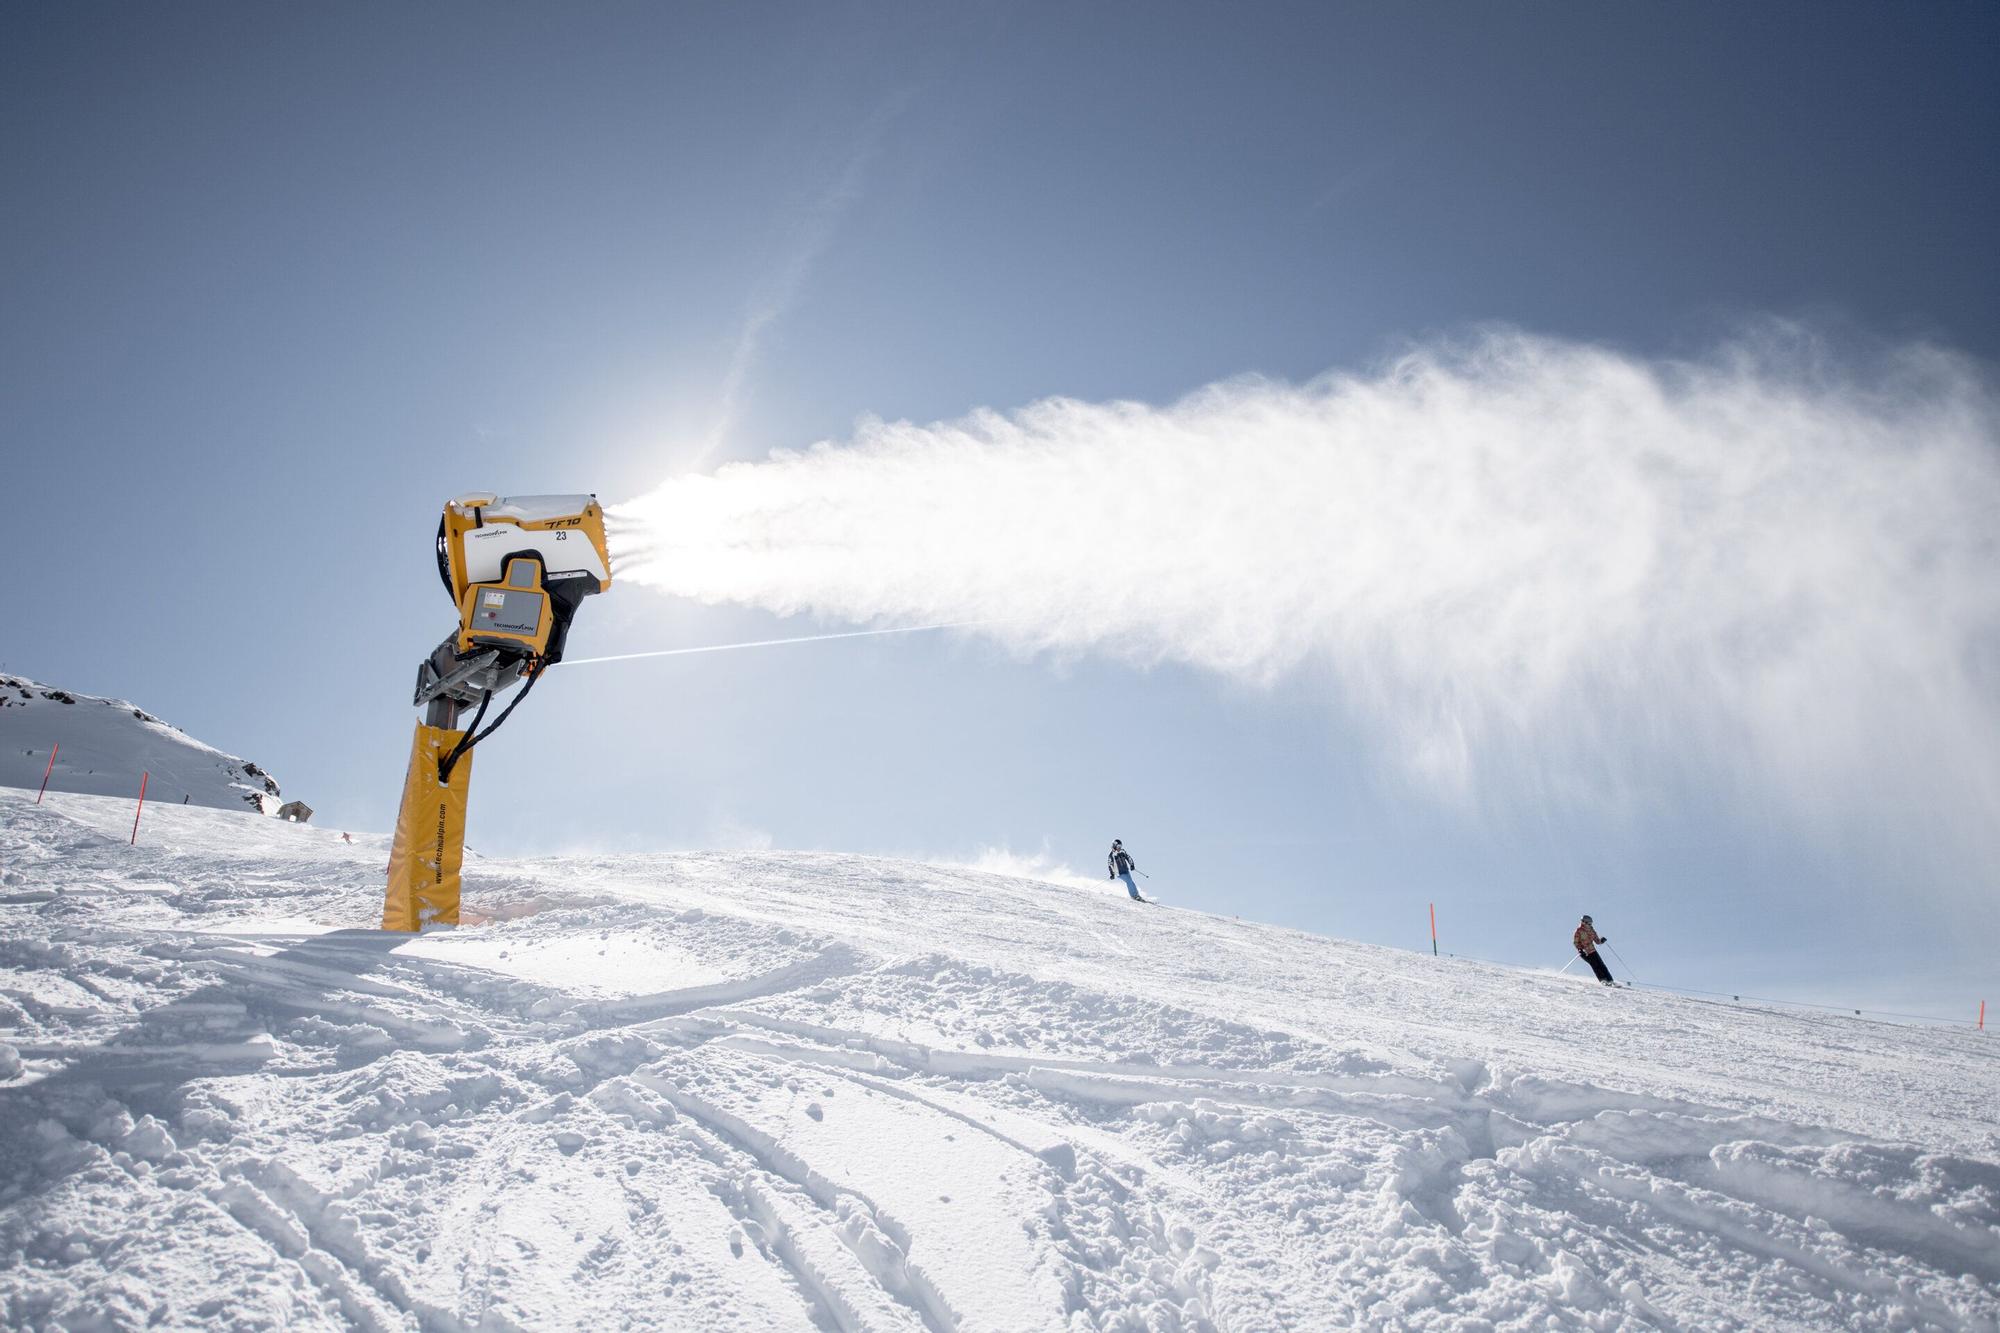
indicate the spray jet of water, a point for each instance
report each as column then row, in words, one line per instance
column 766, row 643
column 1538, row 570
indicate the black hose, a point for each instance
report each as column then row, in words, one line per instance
column 473, row 735
column 450, row 761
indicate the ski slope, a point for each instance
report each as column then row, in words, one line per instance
column 817, row 1091
column 103, row 745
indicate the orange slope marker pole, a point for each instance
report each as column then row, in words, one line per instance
column 1434, row 930
column 141, row 810
column 1982, row 1015
column 53, row 749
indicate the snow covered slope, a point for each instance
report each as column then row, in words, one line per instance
column 105, row 744
column 797, row 1091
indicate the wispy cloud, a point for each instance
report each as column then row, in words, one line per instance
column 1366, row 171
column 807, row 237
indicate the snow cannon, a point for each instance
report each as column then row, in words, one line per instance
column 516, row 569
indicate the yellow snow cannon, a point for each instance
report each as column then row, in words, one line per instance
column 517, row 568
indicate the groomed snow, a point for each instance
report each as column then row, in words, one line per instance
column 797, row 1091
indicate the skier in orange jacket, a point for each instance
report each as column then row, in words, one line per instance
column 1586, row 940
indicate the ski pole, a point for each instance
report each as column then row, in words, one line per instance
column 1567, row 966
column 1622, row 963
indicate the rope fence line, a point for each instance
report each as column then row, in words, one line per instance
column 1810, row 1004
column 1739, row 997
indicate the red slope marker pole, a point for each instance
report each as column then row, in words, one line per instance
column 1434, row 930
column 45, row 772
column 141, row 810
column 1982, row 1015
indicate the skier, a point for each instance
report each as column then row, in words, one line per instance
column 1121, row 865
column 1586, row 940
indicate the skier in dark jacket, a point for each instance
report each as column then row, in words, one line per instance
column 1121, row 865
column 1586, row 940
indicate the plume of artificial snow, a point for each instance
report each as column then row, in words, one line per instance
column 1536, row 569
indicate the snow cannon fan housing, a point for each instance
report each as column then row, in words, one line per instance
column 517, row 567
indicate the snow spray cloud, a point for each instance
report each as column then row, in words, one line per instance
column 1539, row 571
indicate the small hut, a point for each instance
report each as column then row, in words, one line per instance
column 297, row 812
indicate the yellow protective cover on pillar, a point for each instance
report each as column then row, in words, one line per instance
column 429, row 848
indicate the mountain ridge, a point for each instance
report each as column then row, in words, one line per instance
column 103, row 745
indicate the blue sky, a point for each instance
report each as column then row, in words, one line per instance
column 275, row 281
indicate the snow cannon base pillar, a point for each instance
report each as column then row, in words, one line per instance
column 429, row 848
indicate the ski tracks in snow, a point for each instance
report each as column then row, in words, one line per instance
column 811, row 1091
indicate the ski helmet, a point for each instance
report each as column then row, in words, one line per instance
column 1586, row 918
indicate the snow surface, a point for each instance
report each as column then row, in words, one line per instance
column 103, row 745
column 797, row 1091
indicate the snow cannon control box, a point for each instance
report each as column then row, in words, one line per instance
column 518, row 567
column 513, row 613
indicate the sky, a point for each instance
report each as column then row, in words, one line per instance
column 275, row 282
